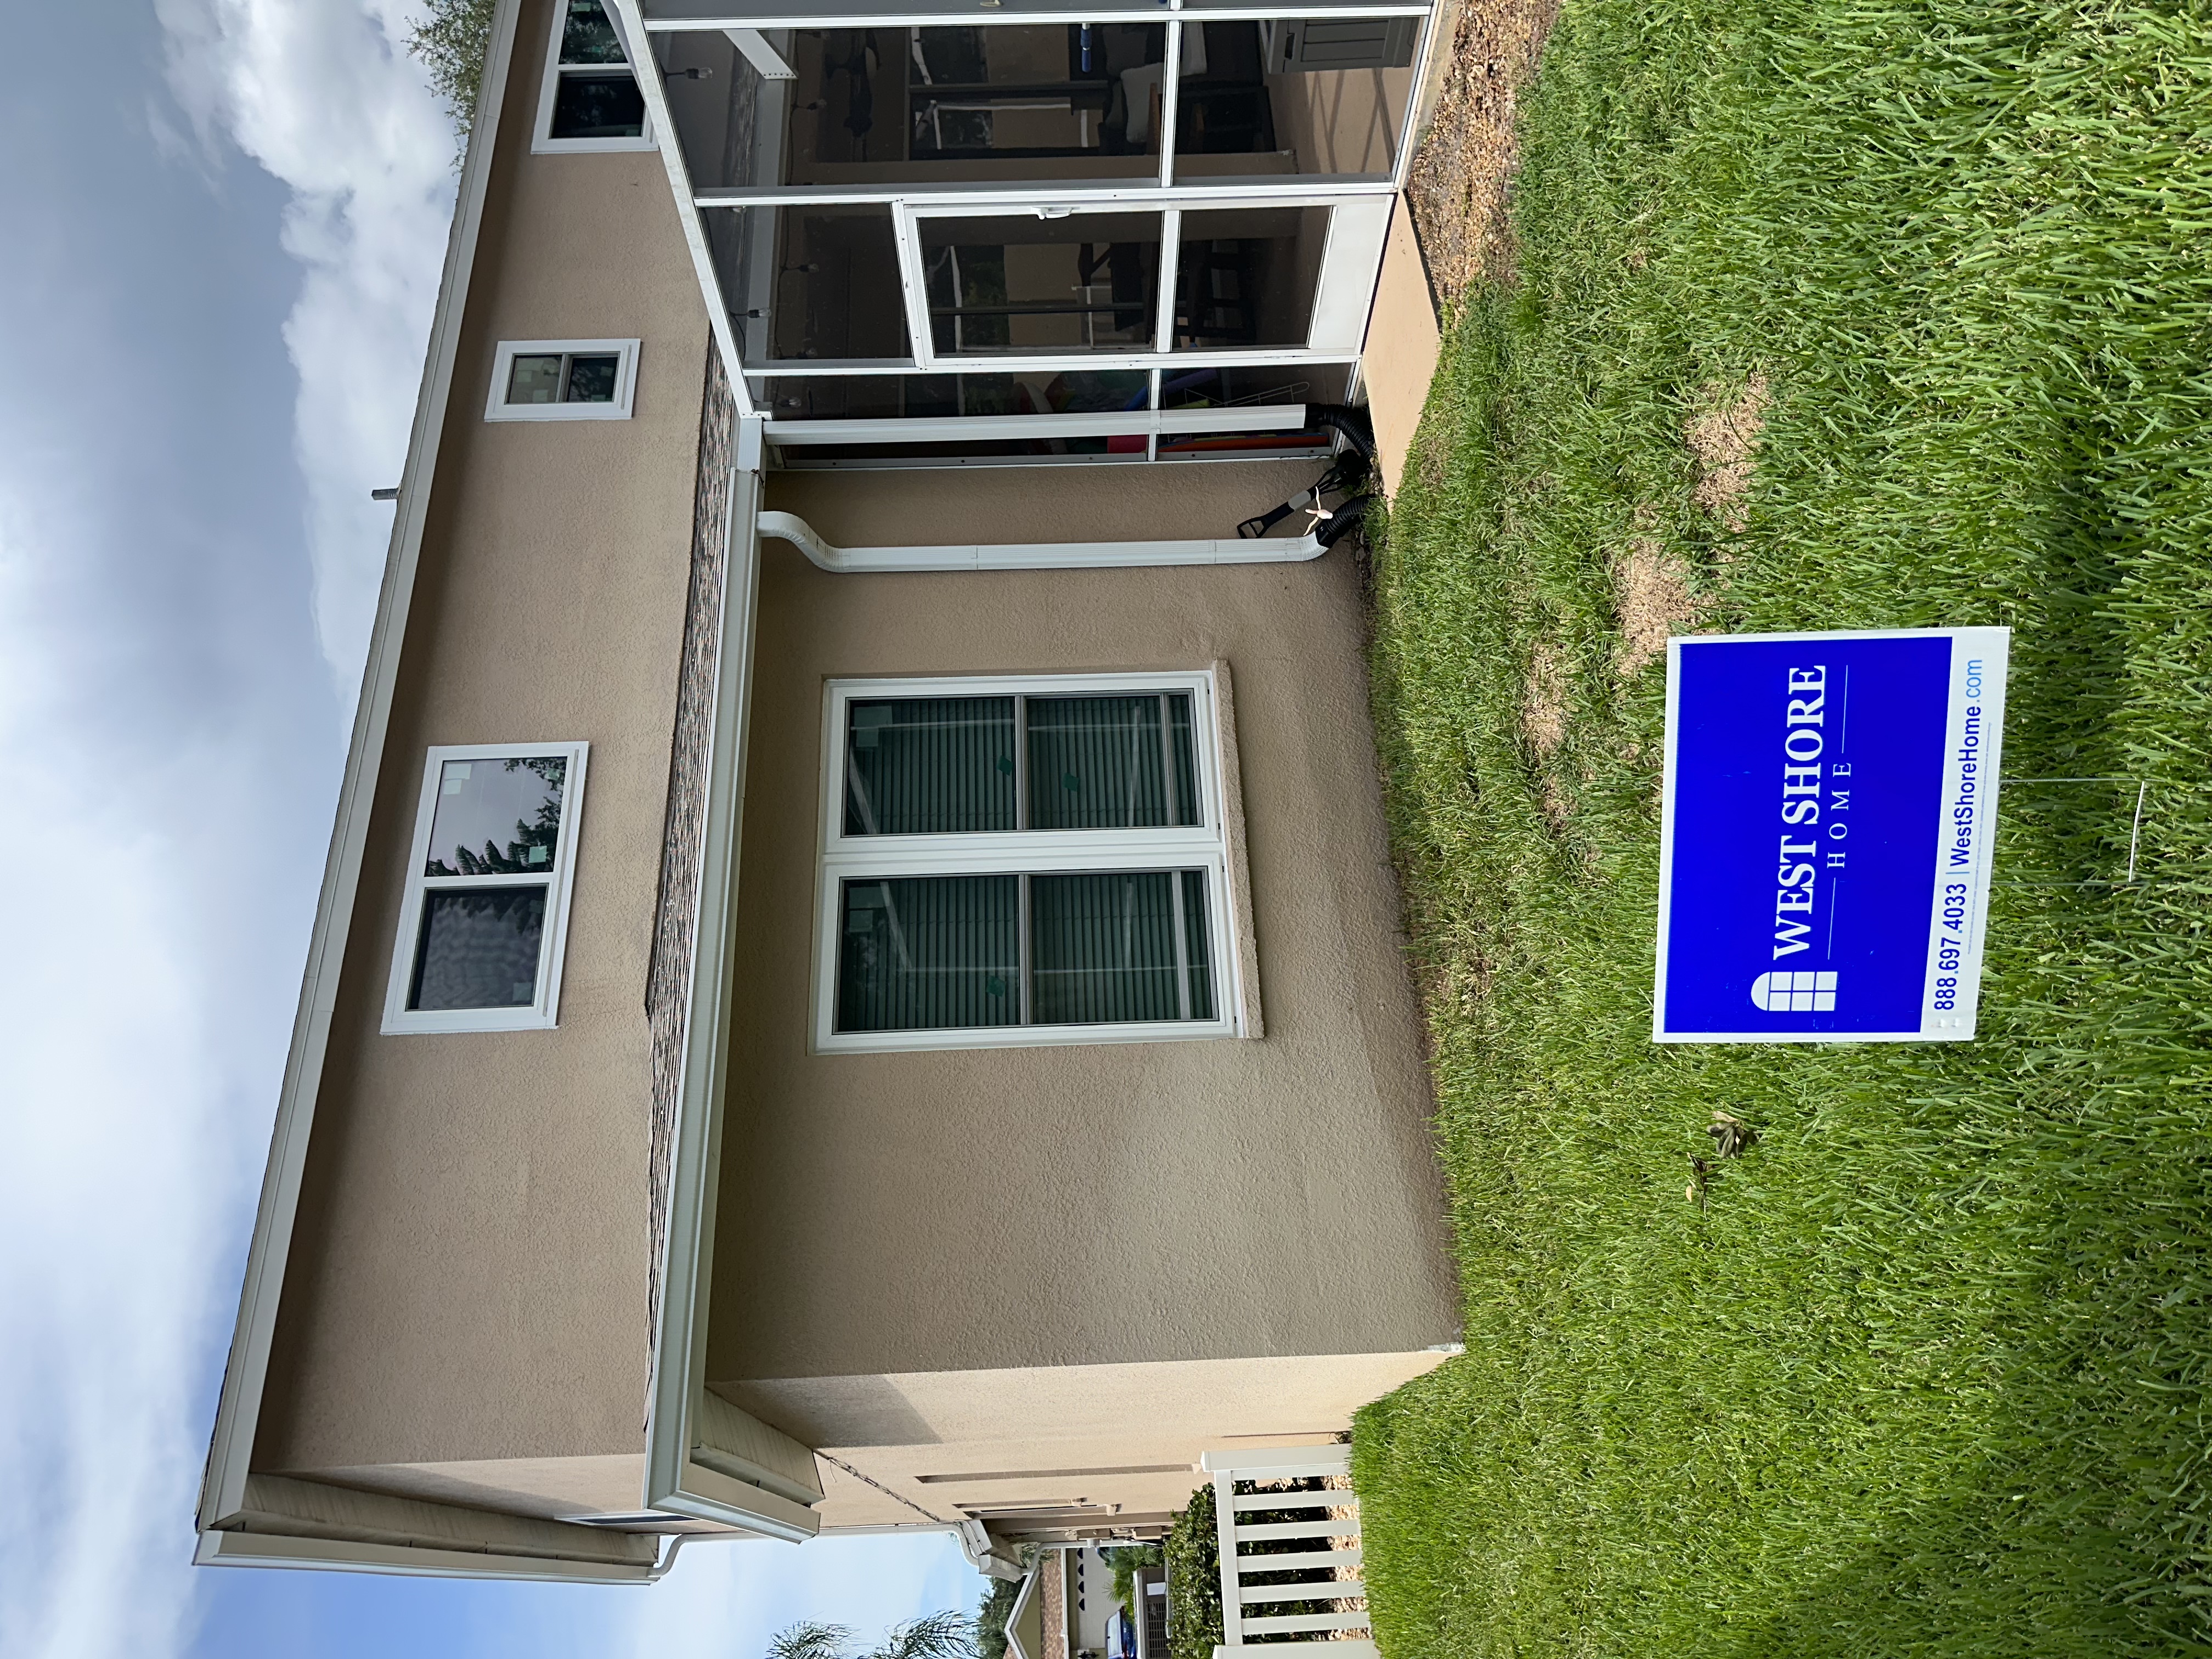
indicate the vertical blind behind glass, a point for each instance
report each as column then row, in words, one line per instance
column 1117, row 947
column 945, row 952
column 929, row 953
column 1120, row 763
column 927, row 766
column 917, row 766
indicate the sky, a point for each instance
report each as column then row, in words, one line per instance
column 225, row 221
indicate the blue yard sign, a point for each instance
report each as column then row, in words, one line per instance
column 1830, row 800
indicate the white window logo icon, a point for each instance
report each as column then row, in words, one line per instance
column 1795, row 994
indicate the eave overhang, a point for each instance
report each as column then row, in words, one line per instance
column 224, row 1499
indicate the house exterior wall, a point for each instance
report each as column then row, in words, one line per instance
column 1069, row 1259
column 966, row 1210
column 467, row 1279
column 999, row 1442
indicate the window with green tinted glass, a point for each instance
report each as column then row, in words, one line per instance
column 924, row 766
column 1023, row 861
column 563, row 381
column 590, row 100
column 574, row 377
column 941, row 766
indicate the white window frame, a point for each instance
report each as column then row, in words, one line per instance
column 542, row 142
column 1204, row 846
column 1344, row 284
column 544, row 1012
column 496, row 408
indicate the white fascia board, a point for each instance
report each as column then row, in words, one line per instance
column 674, row 1480
column 646, row 68
column 238, row 1410
column 257, row 1549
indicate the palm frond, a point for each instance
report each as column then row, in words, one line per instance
column 946, row 1635
column 810, row 1639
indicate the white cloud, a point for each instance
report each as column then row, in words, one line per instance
column 122, row 1150
column 325, row 97
column 163, row 785
column 169, row 760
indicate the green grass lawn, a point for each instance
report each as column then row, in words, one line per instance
column 1927, row 1376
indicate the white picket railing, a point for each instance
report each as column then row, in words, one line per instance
column 1249, row 1609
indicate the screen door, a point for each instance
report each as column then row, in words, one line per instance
column 1114, row 284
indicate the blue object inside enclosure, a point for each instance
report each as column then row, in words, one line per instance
column 1808, row 783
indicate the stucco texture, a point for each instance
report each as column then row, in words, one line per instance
column 468, row 1275
column 1016, row 1445
column 968, row 1209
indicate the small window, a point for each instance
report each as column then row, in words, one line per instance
column 562, row 380
column 590, row 100
column 1028, row 862
column 486, row 911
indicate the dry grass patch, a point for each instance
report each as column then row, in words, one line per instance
column 1724, row 438
column 1544, row 708
column 1460, row 182
column 1656, row 600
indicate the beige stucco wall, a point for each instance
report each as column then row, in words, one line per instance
column 1403, row 345
column 467, row 1279
column 463, row 1316
column 1128, row 1436
column 968, row 1210
column 935, row 507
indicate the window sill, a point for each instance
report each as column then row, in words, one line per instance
column 1021, row 1036
column 419, row 1022
column 588, row 146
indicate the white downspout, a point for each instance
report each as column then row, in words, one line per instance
column 1034, row 556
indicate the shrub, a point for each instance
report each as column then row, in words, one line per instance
column 1192, row 1551
column 991, row 1617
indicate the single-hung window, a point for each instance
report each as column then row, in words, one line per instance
column 486, row 911
column 590, row 99
column 1023, row 861
column 562, row 380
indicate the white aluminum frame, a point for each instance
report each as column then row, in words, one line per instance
column 953, row 12
column 1203, row 846
column 559, row 881
column 1248, row 357
column 496, row 408
column 952, row 429
column 1341, row 299
column 1024, row 195
column 542, row 142
column 635, row 26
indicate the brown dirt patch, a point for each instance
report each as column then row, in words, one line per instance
column 1652, row 591
column 1460, row 182
column 1544, row 701
column 1724, row 438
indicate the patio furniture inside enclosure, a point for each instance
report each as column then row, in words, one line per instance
column 1010, row 214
